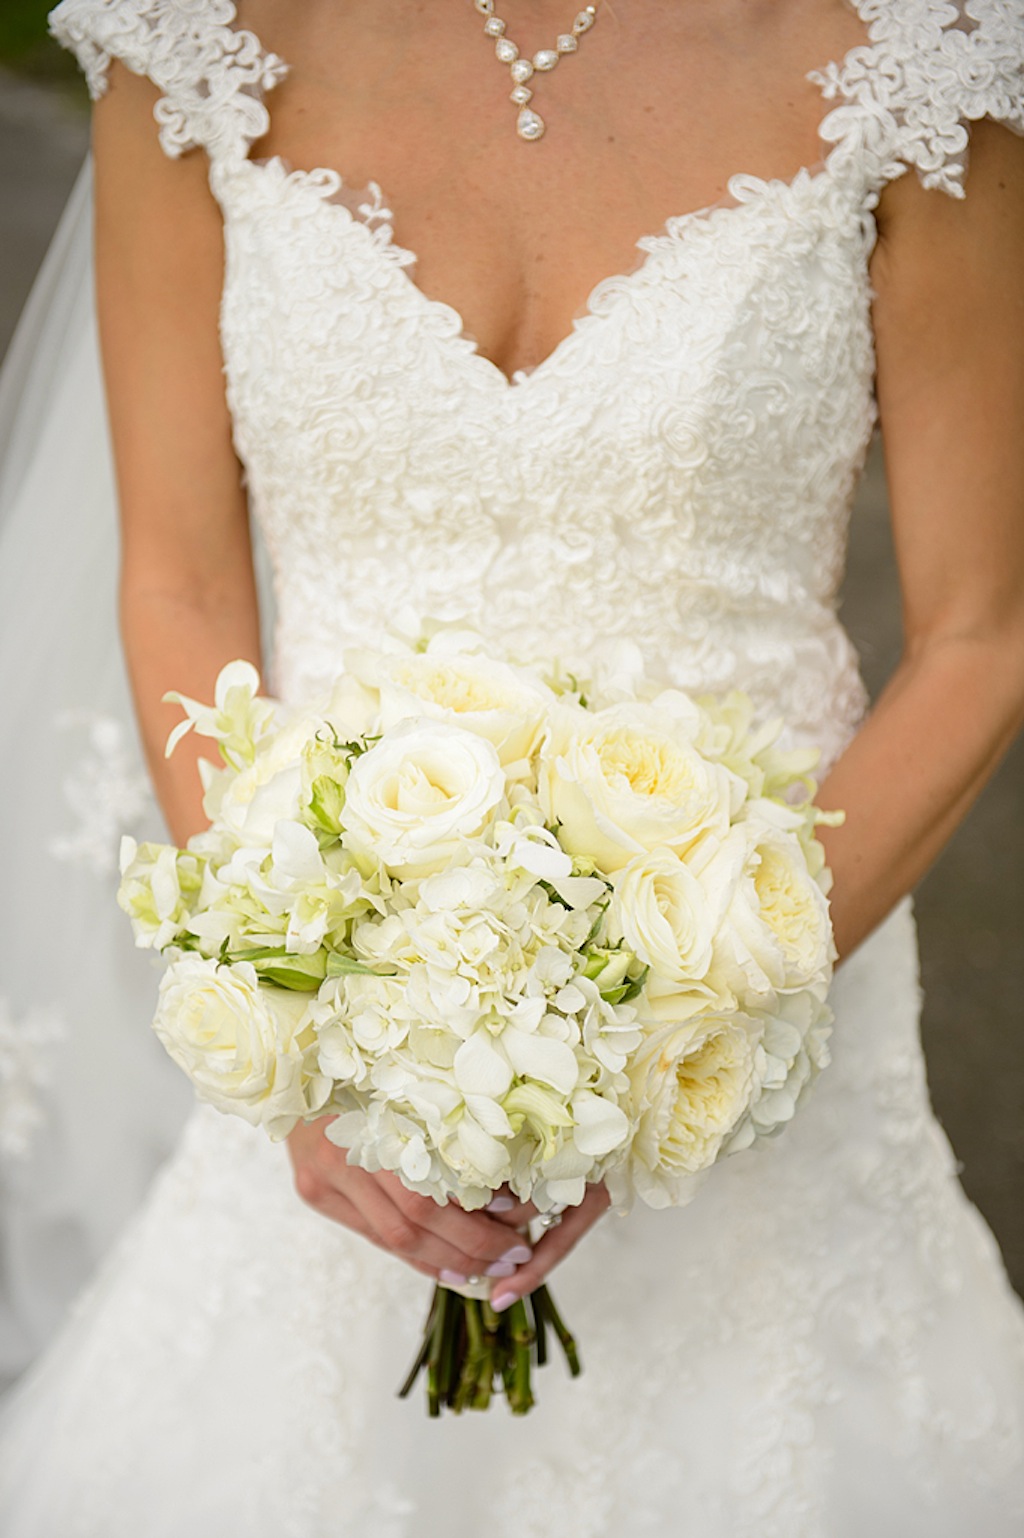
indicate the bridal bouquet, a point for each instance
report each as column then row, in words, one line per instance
column 509, row 928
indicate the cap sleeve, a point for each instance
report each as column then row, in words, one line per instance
column 211, row 74
column 930, row 69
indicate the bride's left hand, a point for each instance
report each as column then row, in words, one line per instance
column 553, row 1247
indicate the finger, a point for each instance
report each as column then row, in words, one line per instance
column 483, row 1239
column 397, row 1231
column 516, row 1214
column 554, row 1247
column 333, row 1205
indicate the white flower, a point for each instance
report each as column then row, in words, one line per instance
column 544, row 943
column 692, row 1086
column 383, row 1138
column 625, row 780
column 238, row 718
column 796, row 1049
column 359, row 1018
column 159, row 888
column 776, row 933
column 249, row 1050
column 250, row 803
column 504, row 704
column 665, row 917
column 418, row 794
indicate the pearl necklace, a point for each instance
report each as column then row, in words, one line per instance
column 529, row 125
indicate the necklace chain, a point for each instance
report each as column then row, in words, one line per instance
column 529, row 124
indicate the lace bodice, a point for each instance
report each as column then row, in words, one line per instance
column 678, row 470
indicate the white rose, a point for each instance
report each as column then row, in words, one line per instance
column 419, row 794
column 248, row 1050
column 622, row 781
column 477, row 693
column 692, row 1085
column 250, row 803
column 664, row 915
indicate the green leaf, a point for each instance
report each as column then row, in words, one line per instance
column 340, row 965
column 273, row 964
column 626, row 992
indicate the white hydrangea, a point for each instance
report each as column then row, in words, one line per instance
column 504, row 928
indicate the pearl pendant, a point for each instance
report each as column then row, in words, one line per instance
column 529, row 125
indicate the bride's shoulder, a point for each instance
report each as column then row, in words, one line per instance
column 927, row 70
column 210, row 71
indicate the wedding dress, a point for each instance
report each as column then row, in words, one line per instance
column 825, row 1344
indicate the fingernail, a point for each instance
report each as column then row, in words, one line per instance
column 501, row 1204
column 451, row 1278
column 518, row 1255
column 501, row 1268
column 502, row 1298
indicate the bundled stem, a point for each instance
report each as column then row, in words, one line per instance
column 470, row 1352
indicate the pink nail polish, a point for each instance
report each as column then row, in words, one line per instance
column 503, row 1298
column 501, row 1204
column 451, row 1279
column 501, row 1268
column 519, row 1254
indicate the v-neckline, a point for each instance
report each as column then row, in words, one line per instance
column 400, row 258
column 322, row 181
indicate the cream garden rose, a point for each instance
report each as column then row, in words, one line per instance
column 693, row 1085
column 776, row 934
column 620, row 782
column 471, row 690
column 414, row 798
column 248, row 1049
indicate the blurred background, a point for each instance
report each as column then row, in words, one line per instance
column 970, row 908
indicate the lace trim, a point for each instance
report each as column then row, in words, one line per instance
column 212, row 74
column 929, row 68
column 109, row 793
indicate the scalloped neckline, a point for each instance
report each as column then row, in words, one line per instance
column 397, row 259
column 400, row 258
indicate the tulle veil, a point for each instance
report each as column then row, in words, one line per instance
column 89, row 1105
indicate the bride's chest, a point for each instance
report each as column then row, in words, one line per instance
column 659, row 106
column 732, row 363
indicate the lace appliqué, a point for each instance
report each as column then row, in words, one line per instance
column 930, row 68
column 211, row 73
column 109, row 793
column 26, row 1072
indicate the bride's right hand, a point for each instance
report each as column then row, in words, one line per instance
column 431, row 1238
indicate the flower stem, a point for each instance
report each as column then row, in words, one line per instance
column 468, row 1351
column 544, row 1303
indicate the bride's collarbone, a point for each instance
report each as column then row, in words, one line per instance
column 659, row 108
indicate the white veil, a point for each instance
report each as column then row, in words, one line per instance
column 89, row 1105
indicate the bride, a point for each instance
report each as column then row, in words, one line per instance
column 339, row 281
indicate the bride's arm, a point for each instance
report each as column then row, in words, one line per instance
column 187, row 595
column 949, row 326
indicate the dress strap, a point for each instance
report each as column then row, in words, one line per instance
column 929, row 69
column 211, row 73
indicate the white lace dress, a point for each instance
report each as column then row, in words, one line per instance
column 825, row 1344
